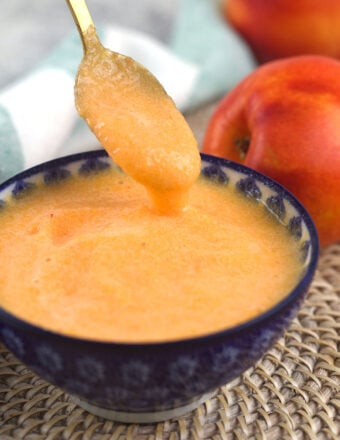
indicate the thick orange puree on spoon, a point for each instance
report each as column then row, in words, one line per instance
column 137, row 123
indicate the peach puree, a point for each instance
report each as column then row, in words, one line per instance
column 138, row 124
column 86, row 257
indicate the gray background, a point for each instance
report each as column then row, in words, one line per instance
column 30, row 29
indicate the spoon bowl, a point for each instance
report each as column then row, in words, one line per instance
column 134, row 119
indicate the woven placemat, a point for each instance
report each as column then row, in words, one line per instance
column 292, row 393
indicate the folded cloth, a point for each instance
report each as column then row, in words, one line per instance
column 38, row 120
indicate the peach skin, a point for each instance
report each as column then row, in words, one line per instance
column 283, row 28
column 284, row 121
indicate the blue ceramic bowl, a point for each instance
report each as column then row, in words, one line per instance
column 156, row 381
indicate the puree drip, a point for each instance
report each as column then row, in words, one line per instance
column 87, row 258
column 138, row 124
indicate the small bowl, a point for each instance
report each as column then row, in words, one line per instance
column 151, row 382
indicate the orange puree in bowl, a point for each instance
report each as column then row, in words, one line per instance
column 86, row 257
column 138, row 124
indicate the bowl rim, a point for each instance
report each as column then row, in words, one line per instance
column 300, row 288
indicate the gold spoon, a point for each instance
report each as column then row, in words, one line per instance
column 134, row 119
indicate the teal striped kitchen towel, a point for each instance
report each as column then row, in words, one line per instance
column 38, row 120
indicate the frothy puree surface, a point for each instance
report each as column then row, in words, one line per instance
column 87, row 258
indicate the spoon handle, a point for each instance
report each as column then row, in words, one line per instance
column 81, row 16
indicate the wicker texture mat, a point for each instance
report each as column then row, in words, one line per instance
column 292, row 393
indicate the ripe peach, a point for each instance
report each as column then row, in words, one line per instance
column 284, row 120
column 284, row 28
